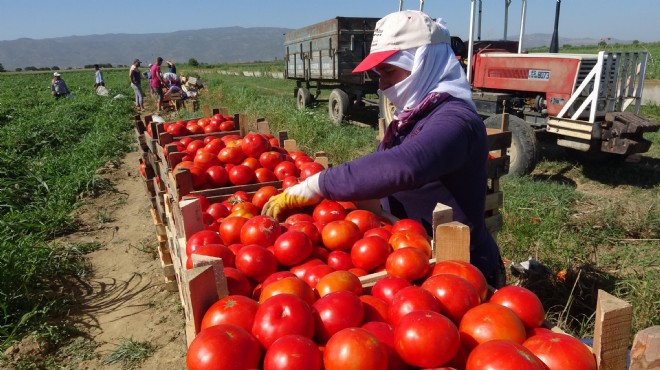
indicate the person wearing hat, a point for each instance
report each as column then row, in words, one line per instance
column 171, row 68
column 434, row 151
column 136, row 83
column 58, row 87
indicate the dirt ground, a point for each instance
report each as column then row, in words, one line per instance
column 125, row 297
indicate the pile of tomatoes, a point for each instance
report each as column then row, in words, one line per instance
column 296, row 300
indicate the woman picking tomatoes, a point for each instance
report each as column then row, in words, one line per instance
column 434, row 151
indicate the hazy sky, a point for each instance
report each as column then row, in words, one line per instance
column 39, row 19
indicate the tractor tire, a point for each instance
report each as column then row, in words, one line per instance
column 303, row 98
column 385, row 108
column 338, row 105
column 523, row 152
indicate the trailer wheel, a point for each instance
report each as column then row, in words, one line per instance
column 385, row 108
column 303, row 98
column 338, row 105
column 523, row 152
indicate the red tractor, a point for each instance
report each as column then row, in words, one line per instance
column 590, row 102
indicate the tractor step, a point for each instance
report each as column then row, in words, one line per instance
column 626, row 133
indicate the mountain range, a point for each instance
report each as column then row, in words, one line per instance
column 211, row 45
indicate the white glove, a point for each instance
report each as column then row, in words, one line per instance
column 300, row 195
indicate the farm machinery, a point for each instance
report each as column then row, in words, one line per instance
column 589, row 102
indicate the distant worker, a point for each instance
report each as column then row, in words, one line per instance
column 136, row 83
column 98, row 76
column 58, row 87
column 157, row 83
column 171, row 68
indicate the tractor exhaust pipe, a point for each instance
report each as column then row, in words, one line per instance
column 554, row 44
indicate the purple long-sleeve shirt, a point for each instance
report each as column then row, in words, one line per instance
column 441, row 159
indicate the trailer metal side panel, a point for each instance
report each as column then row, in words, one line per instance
column 329, row 51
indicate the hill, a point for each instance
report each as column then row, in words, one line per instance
column 212, row 45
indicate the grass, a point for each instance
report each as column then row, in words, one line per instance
column 49, row 153
column 130, row 353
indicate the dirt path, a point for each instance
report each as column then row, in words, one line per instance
column 125, row 298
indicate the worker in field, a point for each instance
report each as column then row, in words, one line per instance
column 98, row 77
column 157, row 83
column 58, row 87
column 136, row 83
column 434, row 151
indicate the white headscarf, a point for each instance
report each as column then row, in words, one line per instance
column 434, row 68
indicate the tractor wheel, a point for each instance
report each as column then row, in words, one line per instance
column 385, row 108
column 338, row 105
column 303, row 98
column 523, row 152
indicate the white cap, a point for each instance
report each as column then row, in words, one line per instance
column 400, row 31
column 56, row 74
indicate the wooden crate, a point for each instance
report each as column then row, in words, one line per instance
column 164, row 255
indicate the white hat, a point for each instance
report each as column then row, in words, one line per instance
column 400, row 31
column 56, row 74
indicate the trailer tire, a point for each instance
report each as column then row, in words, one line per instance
column 338, row 105
column 303, row 98
column 523, row 152
column 385, row 108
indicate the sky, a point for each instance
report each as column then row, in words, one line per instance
column 597, row 19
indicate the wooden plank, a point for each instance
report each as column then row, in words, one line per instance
column 206, row 110
column 645, row 352
column 282, row 136
column 188, row 217
column 263, row 127
column 498, row 140
column 494, row 201
column 612, row 331
column 494, row 223
column 441, row 215
column 497, row 167
column 290, row 145
column 452, row 242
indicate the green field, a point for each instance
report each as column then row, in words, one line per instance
column 598, row 222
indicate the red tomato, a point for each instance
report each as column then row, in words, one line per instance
column 217, row 211
column 354, row 348
column 284, row 169
column 293, row 352
column 490, row 321
column 281, row 315
column 298, row 217
column 194, row 129
column 314, row 274
column 308, row 228
column 201, row 238
column 358, row 271
column 264, row 175
column 410, row 299
column 204, row 160
column 503, row 354
column 380, row 232
column 261, row 230
column 227, row 126
column 241, row 175
column 193, row 146
column 203, row 201
column 231, row 154
column 408, row 263
column 233, row 309
column 409, row 224
column 213, row 146
column 262, row 195
column 340, row 235
column 212, row 250
column 216, row 176
column 328, row 211
column 387, row 287
column 523, row 302
column 426, row 339
column 365, row 220
column 292, row 247
column 256, row 262
column 375, row 309
column 210, row 347
column 561, row 351
column 334, row 312
column 446, row 288
column 240, row 196
column 370, row 252
column 465, row 270
column 301, row 159
column 237, row 282
column 340, row 260
column 230, row 229
column 409, row 238
column 253, row 163
column 288, row 181
column 246, row 209
column 177, row 129
column 337, row 281
column 302, row 269
column 309, row 169
column 384, row 332
column 254, row 144
column 348, row 205
column 270, row 159
column 288, row 285
column 185, row 141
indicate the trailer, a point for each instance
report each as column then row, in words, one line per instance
column 322, row 57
